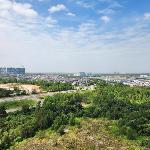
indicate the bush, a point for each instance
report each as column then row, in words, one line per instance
column 131, row 133
column 146, row 143
column 2, row 111
column 27, row 132
column 59, row 121
column 72, row 120
column 25, row 108
column 61, row 130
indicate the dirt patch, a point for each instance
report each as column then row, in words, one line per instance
column 29, row 88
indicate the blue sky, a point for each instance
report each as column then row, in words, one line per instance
column 75, row 35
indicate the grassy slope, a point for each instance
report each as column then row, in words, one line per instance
column 91, row 134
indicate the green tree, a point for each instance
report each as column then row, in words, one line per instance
column 25, row 108
column 2, row 111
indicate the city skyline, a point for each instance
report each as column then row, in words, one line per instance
column 76, row 35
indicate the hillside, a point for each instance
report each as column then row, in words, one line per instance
column 126, row 108
column 91, row 134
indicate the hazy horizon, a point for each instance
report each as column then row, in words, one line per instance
column 103, row 36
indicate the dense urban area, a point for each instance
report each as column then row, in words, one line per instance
column 87, row 111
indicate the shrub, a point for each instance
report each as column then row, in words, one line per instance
column 2, row 111
column 25, row 108
column 61, row 130
column 146, row 143
column 131, row 133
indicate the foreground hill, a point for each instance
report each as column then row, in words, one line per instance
column 126, row 108
column 91, row 134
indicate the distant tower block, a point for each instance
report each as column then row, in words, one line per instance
column 12, row 70
column 16, row 71
column 80, row 74
column 3, row 70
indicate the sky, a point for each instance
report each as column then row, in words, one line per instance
column 102, row 36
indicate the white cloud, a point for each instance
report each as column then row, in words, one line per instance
column 121, row 49
column 22, row 9
column 71, row 14
column 106, row 1
column 112, row 7
column 112, row 3
column 106, row 11
column 147, row 16
column 115, row 4
column 84, row 4
column 5, row 4
column 23, row 16
column 40, row 48
column 57, row 8
column 50, row 22
column 41, row 0
column 105, row 19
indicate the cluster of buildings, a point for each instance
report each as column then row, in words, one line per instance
column 63, row 78
column 80, row 78
column 80, row 74
column 12, row 71
column 131, row 80
column 83, row 74
column 137, row 82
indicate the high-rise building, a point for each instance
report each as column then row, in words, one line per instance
column 12, row 71
column 80, row 74
column 15, row 70
column 3, row 70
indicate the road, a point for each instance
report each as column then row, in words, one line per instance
column 36, row 97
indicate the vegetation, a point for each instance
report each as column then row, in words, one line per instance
column 17, row 103
column 2, row 111
column 8, row 80
column 130, row 107
column 7, row 93
column 91, row 134
column 54, row 86
column 49, row 86
column 55, row 112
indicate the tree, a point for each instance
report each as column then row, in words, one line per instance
column 72, row 119
column 43, row 119
column 27, row 131
column 61, row 130
column 2, row 111
column 38, row 107
column 25, row 108
column 131, row 133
